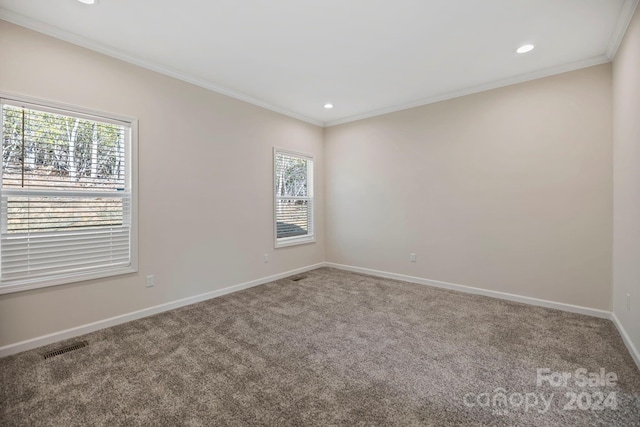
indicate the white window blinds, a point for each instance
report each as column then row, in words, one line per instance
column 66, row 196
column 293, row 198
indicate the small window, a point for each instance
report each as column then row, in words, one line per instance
column 68, row 203
column 293, row 188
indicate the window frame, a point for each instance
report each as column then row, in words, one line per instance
column 131, row 168
column 311, row 236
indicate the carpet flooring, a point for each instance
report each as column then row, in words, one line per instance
column 334, row 348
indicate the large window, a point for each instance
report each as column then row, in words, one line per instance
column 67, row 194
column 293, row 188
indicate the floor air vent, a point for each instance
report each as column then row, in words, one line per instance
column 298, row 278
column 66, row 349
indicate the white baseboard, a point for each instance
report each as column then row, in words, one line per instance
column 117, row 320
column 627, row 340
column 478, row 291
column 635, row 354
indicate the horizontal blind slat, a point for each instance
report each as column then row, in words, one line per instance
column 61, row 237
column 15, row 257
column 34, row 248
column 12, row 278
column 61, row 264
column 56, row 221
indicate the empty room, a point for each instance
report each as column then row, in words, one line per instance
column 320, row 213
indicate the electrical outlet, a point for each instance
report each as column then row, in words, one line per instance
column 265, row 257
column 628, row 302
column 412, row 257
column 150, row 281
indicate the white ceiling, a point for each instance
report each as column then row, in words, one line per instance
column 367, row 57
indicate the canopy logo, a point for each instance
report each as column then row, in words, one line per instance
column 578, row 397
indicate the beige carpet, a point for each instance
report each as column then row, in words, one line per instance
column 335, row 348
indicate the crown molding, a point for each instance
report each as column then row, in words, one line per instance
column 67, row 36
column 546, row 72
column 624, row 19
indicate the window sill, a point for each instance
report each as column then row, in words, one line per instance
column 293, row 241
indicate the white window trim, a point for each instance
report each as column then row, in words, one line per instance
column 296, row 240
column 132, row 156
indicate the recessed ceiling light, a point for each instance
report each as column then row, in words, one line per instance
column 88, row 1
column 328, row 105
column 525, row 48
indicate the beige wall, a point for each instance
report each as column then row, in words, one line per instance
column 626, row 179
column 508, row 190
column 204, row 224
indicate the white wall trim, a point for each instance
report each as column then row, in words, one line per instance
column 624, row 19
column 72, row 38
column 478, row 291
column 124, row 318
column 603, row 314
column 546, row 72
column 626, row 13
column 627, row 339
column 117, row 320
